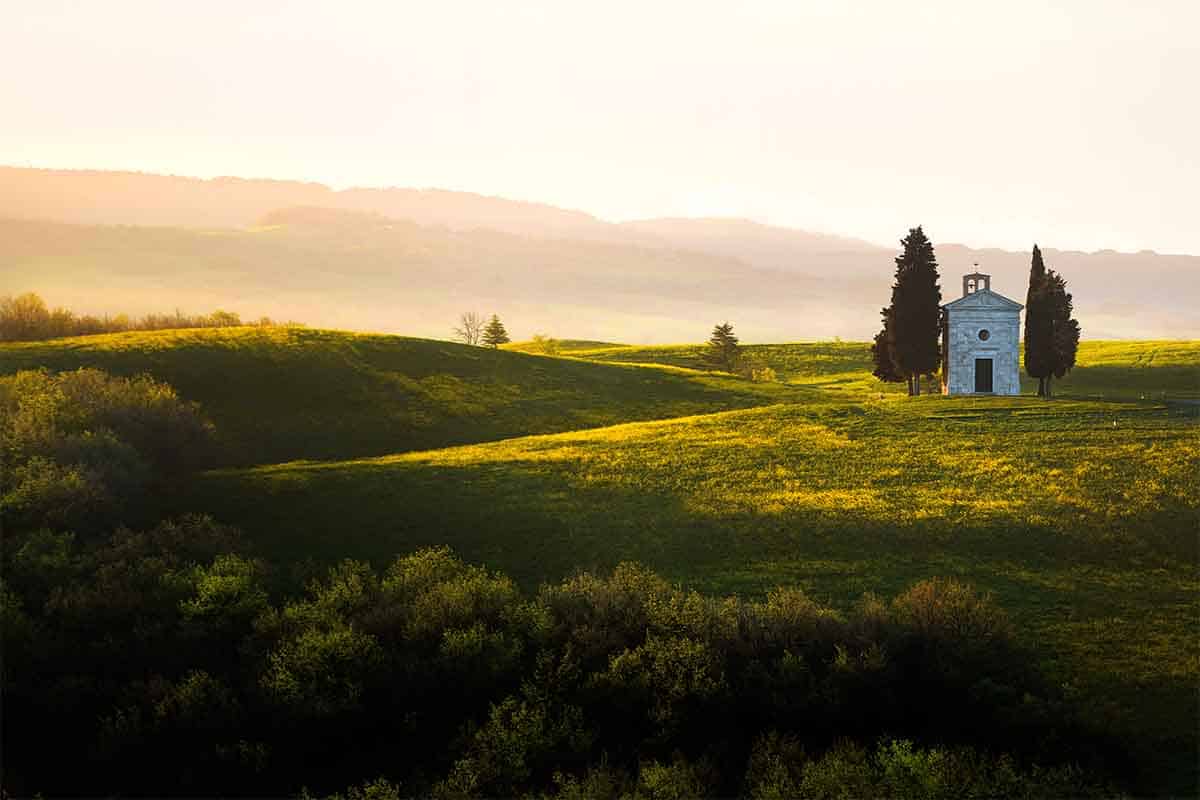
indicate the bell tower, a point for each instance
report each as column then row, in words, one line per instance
column 975, row 281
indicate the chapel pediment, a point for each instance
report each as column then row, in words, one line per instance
column 984, row 299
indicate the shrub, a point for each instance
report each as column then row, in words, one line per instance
column 77, row 447
column 597, row 783
column 520, row 738
column 378, row 789
column 544, row 344
column 677, row 780
column 226, row 597
column 665, row 676
column 26, row 318
column 774, row 771
column 321, row 671
column 763, row 375
column 960, row 628
column 440, row 674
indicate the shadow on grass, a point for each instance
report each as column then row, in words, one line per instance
column 1112, row 611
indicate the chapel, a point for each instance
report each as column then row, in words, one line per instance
column 981, row 337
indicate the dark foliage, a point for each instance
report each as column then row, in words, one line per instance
column 916, row 308
column 724, row 353
column 171, row 661
column 908, row 345
column 156, row 663
column 1064, row 328
column 494, row 333
column 1051, row 333
column 78, row 448
column 882, row 357
column 1037, row 323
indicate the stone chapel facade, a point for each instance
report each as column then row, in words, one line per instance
column 981, row 337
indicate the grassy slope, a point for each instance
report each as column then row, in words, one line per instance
column 278, row 394
column 1084, row 529
column 1080, row 514
column 1114, row 370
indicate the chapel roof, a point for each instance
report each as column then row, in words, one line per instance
column 981, row 299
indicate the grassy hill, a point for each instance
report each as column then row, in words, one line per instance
column 279, row 394
column 1080, row 514
column 830, row 365
column 1130, row 370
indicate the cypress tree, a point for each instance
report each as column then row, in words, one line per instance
column 1051, row 333
column 1064, row 329
column 494, row 334
column 881, row 352
column 1038, row 346
column 916, row 310
column 724, row 352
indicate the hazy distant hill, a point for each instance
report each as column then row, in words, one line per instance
column 409, row 261
column 763, row 245
column 364, row 272
column 135, row 198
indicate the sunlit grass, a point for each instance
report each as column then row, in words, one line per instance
column 1158, row 370
column 1081, row 514
column 1081, row 517
column 284, row 393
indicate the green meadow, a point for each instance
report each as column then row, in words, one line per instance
column 1129, row 370
column 281, row 393
column 1080, row 514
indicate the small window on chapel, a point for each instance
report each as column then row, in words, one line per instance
column 984, row 335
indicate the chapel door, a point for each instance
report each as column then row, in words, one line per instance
column 983, row 375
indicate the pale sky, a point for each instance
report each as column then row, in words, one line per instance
column 1073, row 124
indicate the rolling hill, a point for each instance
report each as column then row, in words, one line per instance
column 279, row 394
column 1139, row 370
column 93, row 197
column 1079, row 514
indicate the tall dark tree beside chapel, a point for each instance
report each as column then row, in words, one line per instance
column 1051, row 333
column 881, row 351
column 1064, row 329
column 723, row 353
column 1037, row 323
column 913, row 329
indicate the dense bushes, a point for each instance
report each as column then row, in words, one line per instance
column 895, row 768
column 26, row 317
column 156, row 662
column 76, row 448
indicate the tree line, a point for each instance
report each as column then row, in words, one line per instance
column 171, row 658
column 474, row 329
column 909, row 345
column 26, row 317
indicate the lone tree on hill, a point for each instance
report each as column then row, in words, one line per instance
column 724, row 353
column 908, row 347
column 494, row 334
column 470, row 327
column 1051, row 333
